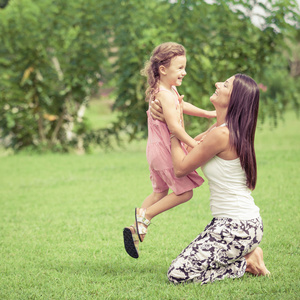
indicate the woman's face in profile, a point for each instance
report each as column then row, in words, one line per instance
column 221, row 96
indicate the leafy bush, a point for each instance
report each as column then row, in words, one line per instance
column 52, row 57
column 54, row 53
column 220, row 42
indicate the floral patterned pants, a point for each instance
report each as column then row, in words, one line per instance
column 218, row 252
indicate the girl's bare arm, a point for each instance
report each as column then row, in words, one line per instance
column 170, row 115
column 192, row 110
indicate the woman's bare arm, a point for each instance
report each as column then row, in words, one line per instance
column 214, row 143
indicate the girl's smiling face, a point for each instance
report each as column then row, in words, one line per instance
column 175, row 72
column 223, row 91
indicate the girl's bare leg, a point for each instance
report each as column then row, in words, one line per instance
column 255, row 263
column 154, row 204
column 153, row 198
column 149, row 201
column 166, row 203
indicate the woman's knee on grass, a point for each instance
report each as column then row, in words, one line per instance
column 174, row 276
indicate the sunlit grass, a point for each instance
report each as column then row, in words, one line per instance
column 62, row 216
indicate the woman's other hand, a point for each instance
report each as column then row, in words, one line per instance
column 156, row 110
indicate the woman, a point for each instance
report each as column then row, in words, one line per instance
column 229, row 244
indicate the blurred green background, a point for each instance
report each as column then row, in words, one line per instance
column 70, row 82
column 63, row 63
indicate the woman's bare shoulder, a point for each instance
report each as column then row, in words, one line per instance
column 217, row 138
column 219, row 133
column 222, row 137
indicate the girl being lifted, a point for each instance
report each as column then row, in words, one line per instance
column 164, row 71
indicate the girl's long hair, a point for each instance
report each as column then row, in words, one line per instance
column 242, row 119
column 161, row 56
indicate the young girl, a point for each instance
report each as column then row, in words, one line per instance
column 164, row 72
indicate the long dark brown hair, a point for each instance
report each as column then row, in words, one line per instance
column 241, row 120
column 161, row 56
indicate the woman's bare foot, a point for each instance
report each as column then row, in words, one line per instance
column 255, row 263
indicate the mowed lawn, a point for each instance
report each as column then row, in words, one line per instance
column 62, row 217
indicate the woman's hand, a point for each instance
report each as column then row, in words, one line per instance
column 156, row 110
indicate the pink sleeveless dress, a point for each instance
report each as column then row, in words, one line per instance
column 160, row 160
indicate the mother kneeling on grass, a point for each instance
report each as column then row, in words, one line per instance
column 228, row 246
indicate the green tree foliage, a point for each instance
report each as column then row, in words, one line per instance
column 54, row 53
column 220, row 40
column 52, row 56
column 281, row 85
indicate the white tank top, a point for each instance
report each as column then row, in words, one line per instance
column 229, row 195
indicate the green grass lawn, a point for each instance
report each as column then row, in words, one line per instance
column 99, row 112
column 62, row 217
